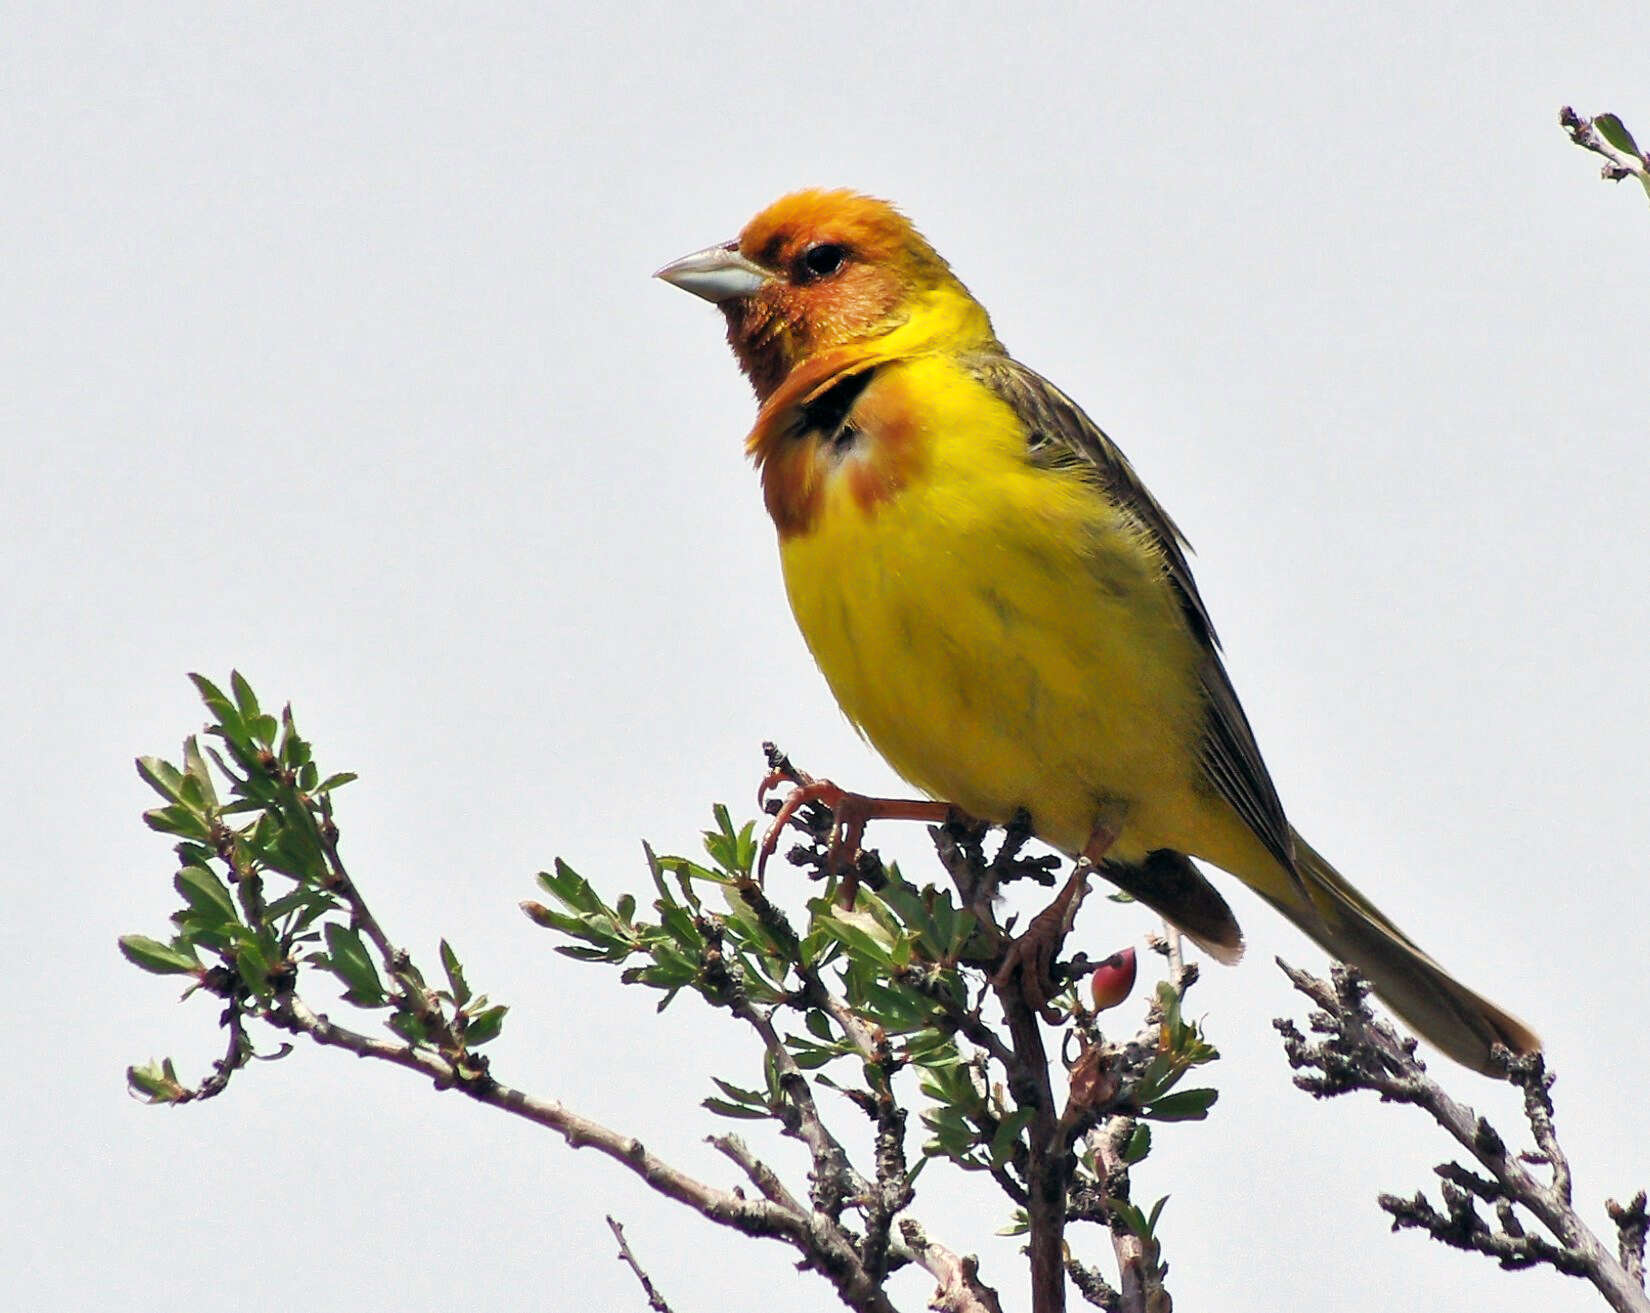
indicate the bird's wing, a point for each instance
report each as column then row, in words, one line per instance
column 1059, row 434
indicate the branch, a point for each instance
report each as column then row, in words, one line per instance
column 960, row 1289
column 1607, row 136
column 1363, row 1052
column 1028, row 1081
column 820, row 1242
column 655, row 1300
column 1632, row 1222
column 835, row 1181
column 1140, row 1266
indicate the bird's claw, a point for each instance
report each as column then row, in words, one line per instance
column 847, row 820
column 1031, row 955
column 850, row 813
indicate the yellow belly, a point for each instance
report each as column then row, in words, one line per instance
column 1004, row 637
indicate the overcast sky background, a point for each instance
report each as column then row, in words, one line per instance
column 331, row 353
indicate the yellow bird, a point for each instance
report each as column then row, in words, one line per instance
column 999, row 604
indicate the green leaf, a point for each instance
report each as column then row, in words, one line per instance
column 335, row 782
column 194, row 768
column 737, row 1093
column 178, row 820
column 350, row 961
column 722, row 1108
column 1007, row 1136
column 293, row 752
column 156, row 1083
column 861, row 936
column 678, row 923
column 1139, row 1145
column 162, row 959
column 207, row 895
column 655, row 868
column 810, row 1056
column 571, row 889
column 212, row 695
column 311, row 902
column 818, row 1024
column 1182, row 1106
column 484, row 1026
column 408, row 1027
column 1614, row 131
column 252, row 964
column 1130, row 1216
column 455, row 974
column 549, row 918
column 161, row 776
column 581, row 954
column 246, row 701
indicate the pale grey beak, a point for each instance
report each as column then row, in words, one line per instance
column 717, row 273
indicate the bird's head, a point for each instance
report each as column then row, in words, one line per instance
column 819, row 270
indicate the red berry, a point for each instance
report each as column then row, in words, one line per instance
column 1113, row 979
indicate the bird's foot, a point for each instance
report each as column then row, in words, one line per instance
column 850, row 813
column 1031, row 955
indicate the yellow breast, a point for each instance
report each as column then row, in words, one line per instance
column 1000, row 632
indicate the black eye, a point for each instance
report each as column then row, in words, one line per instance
column 823, row 259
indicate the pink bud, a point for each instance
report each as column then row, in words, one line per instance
column 1113, row 979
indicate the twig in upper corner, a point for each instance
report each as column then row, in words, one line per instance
column 655, row 1300
column 1606, row 136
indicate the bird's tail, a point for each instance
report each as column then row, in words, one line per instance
column 1443, row 1010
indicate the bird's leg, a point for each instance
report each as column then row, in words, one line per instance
column 850, row 813
column 1031, row 955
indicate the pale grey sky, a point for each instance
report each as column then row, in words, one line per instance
column 331, row 353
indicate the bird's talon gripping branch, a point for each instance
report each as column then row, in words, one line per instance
column 1031, row 955
column 850, row 813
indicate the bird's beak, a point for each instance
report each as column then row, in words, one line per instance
column 717, row 273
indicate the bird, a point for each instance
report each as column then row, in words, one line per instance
column 1001, row 607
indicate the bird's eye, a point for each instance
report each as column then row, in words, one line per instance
column 823, row 259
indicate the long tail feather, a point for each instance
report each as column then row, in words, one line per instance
column 1462, row 1023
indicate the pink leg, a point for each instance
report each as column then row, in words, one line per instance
column 851, row 812
column 1031, row 955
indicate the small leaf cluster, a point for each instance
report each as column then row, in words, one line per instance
column 1181, row 1047
column 904, row 964
column 888, row 967
column 265, row 894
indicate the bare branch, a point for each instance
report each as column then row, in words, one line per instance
column 816, row 1237
column 1092, row 1286
column 763, row 1177
column 655, row 1300
column 1632, row 1222
column 1362, row 1052
column 1138, row 1261
column 1028, row 1081
column 835, row 1181
column 959, row 1288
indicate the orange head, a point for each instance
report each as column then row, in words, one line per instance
column 814, row 271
